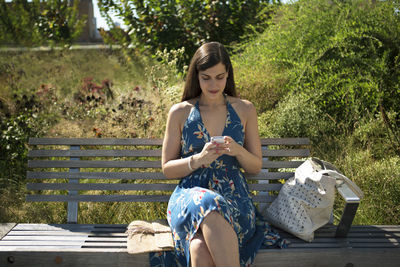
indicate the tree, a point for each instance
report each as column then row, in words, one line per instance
column 173, row 24
column 39, row 22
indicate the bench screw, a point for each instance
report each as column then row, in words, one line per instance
column 58, row 260
column 11, row 259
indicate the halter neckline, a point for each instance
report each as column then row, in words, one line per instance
column 228, row 106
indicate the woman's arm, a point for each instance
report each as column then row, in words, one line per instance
column 172, row 166
column 249, row 155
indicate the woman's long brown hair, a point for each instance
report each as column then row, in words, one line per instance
column 207, row 56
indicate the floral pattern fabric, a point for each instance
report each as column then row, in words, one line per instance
column 219, row 187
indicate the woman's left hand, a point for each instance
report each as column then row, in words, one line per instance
column 230, row 147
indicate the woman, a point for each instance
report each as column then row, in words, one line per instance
column 211, row 214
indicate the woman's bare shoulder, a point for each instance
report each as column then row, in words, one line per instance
column 241, row 105
column 181, row 110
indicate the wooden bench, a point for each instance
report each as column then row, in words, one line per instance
column 133, row 165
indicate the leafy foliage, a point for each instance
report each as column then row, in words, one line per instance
column 344, row 55
column 173, row 24
column 39, row 22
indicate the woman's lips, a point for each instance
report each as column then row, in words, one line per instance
column 214, row 92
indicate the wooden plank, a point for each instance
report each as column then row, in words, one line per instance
column 97, row 141
column 98, row 198
column 327, row 257
column 265, row 257
column 146, row 153
column 133, row 164
column 284, row 141
column 375, row 228
column 51, row 238
column 286, row 152
column 130, row 187
column 23, row 234
column 93, row 164
column 94, row 153
column 266, row 175
column 82, row 257
column 68, row 227
column 118, row 198
column 280, row 164
column 5, row 228
column 42, row 243
column 96, row 175
column 22, row 227
column 263, row 175
column 101, row 186
column 264, row 199
column 145, row 141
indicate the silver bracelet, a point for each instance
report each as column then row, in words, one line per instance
column 190, row 159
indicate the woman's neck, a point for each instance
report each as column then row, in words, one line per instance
column 214, row 102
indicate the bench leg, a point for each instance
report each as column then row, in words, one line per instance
column 347, row 219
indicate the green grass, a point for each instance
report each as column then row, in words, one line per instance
column 362, row 154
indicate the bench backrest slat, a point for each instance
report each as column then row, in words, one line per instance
column 93, row 164
column 145, row 141
column 118, row 198
column 96, row 141
column 145, row 153
column 83, row 167
column 94, row 153
column 133, row 164
column 263, row 175
column 130, row 187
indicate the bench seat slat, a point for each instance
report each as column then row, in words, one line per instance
column 122, row 238
column 130, row 187
column 43, row 243
column 66, row 237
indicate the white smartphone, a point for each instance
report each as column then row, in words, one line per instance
column 217, row 139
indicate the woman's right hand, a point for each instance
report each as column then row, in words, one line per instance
column 210, row 152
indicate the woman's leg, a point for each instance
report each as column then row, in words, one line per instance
column 221, row 240
column 199, row 254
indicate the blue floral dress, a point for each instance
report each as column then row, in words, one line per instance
column 219, row 187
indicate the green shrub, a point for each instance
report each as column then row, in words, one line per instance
column 380, row 182
column 343, row 54
column 295, row 116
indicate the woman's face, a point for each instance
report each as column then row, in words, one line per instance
column 213, row 80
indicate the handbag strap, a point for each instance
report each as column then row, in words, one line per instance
column 340, row 179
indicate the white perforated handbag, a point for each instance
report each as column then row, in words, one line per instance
column 305, row 201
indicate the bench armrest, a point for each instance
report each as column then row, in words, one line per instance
column 352, row 201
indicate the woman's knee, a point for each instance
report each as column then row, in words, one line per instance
column 199, row 252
